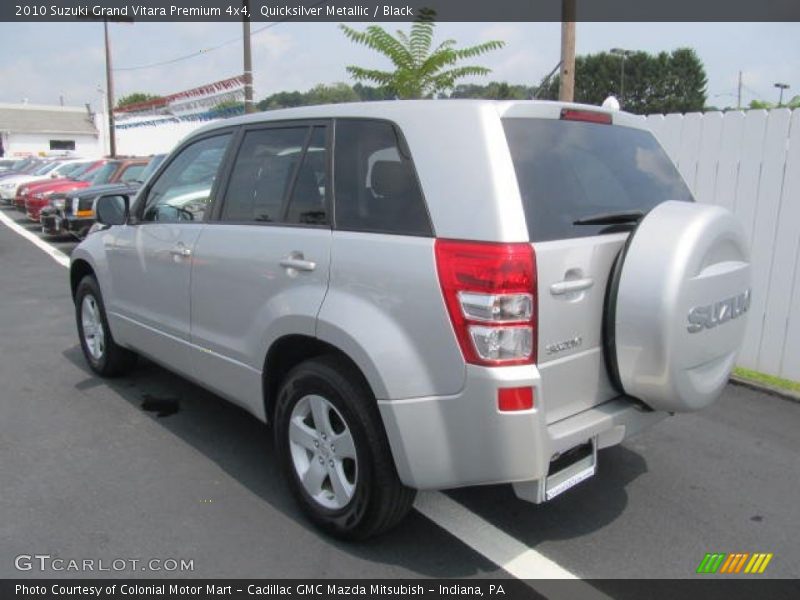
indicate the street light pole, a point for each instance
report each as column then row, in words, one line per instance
column 623, row 54
column 781, row 87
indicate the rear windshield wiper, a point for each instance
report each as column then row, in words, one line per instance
column 611, row 218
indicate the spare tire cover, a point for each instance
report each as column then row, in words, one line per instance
column 680, row 298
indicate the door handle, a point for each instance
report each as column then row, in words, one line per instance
column 180, row 249
column 569, row 286
column 297, row 261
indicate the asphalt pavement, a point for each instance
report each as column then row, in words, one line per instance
column 152, row 466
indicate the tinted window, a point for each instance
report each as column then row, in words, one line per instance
column 569, row 170
column 45, row 168
column 307, row 204
column 81, row 170
column 132, row 172
column 101, row 175
column 262, row 175
column 375, row 185
column 182, row 191
column 64, row 169
column 151, row 167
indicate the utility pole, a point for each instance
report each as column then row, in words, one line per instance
column 566, row 90
column 739, row 93
column 112, row 140
column 248, row 60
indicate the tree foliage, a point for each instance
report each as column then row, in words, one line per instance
column 331, row 94
column 420, row 70
column 496, row 90
column 320, row 94
column 793, row 103
column 662, row 83
column 135, row 98
column 342, row 92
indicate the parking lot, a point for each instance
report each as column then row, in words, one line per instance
column 151, row 466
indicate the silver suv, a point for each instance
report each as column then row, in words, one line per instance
column 422, row 294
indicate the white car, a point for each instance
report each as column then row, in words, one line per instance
column 54, row 169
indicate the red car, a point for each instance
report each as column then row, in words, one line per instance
column 109, row 171
column 44, row 187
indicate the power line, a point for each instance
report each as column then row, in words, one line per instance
column 212, row 48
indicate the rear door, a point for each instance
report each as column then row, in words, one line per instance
column 261, row 266
column 568, row 170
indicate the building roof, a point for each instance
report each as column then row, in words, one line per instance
column 35, row 118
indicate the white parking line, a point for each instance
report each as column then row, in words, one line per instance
column 54, row 253
column 508, row 553
column 476, row 532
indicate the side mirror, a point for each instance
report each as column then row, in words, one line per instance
column 113, row 209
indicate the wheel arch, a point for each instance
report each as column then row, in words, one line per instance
column 79, row 269
column 287, row 352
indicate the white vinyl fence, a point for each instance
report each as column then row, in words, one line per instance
column 750, row 163
column 747, row 162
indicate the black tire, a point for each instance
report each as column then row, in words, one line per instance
column 379, row 500
column 114, row 360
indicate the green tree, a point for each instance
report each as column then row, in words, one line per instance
column 756, row 104
column 331, row 94
column 419, row 71
column 662, row 83
column 368, row 93
column 493, row 91
column 135, row 98
column 282, row 100
column 228, row 104
column 228, row 108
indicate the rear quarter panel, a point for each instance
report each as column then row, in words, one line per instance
column 384, row 308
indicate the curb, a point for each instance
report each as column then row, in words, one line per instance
column 767, row 389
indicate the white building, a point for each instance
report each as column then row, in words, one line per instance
column 27, row 129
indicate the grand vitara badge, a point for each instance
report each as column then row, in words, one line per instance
column 711, row 315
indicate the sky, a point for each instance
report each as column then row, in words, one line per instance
column 43, row 62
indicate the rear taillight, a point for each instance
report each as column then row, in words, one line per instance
column 490, row 293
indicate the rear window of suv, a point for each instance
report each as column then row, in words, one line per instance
column 568, row 170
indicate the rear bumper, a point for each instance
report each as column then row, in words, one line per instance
column 455, row 441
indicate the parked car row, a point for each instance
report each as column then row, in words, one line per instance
column 73, row 211
column 60, row 193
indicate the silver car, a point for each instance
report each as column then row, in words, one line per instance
column 422, row 294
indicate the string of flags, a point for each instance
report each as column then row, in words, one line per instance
column 196, row 104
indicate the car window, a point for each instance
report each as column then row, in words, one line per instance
column 101, row 175
column 568, row 170
column 82, row 170
column 132, row 172
column 45, row 168
column 152, row 165
column 376, row 188
column 64, row 168
column 182, row 191
column 307, row 204
column 262, row 175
